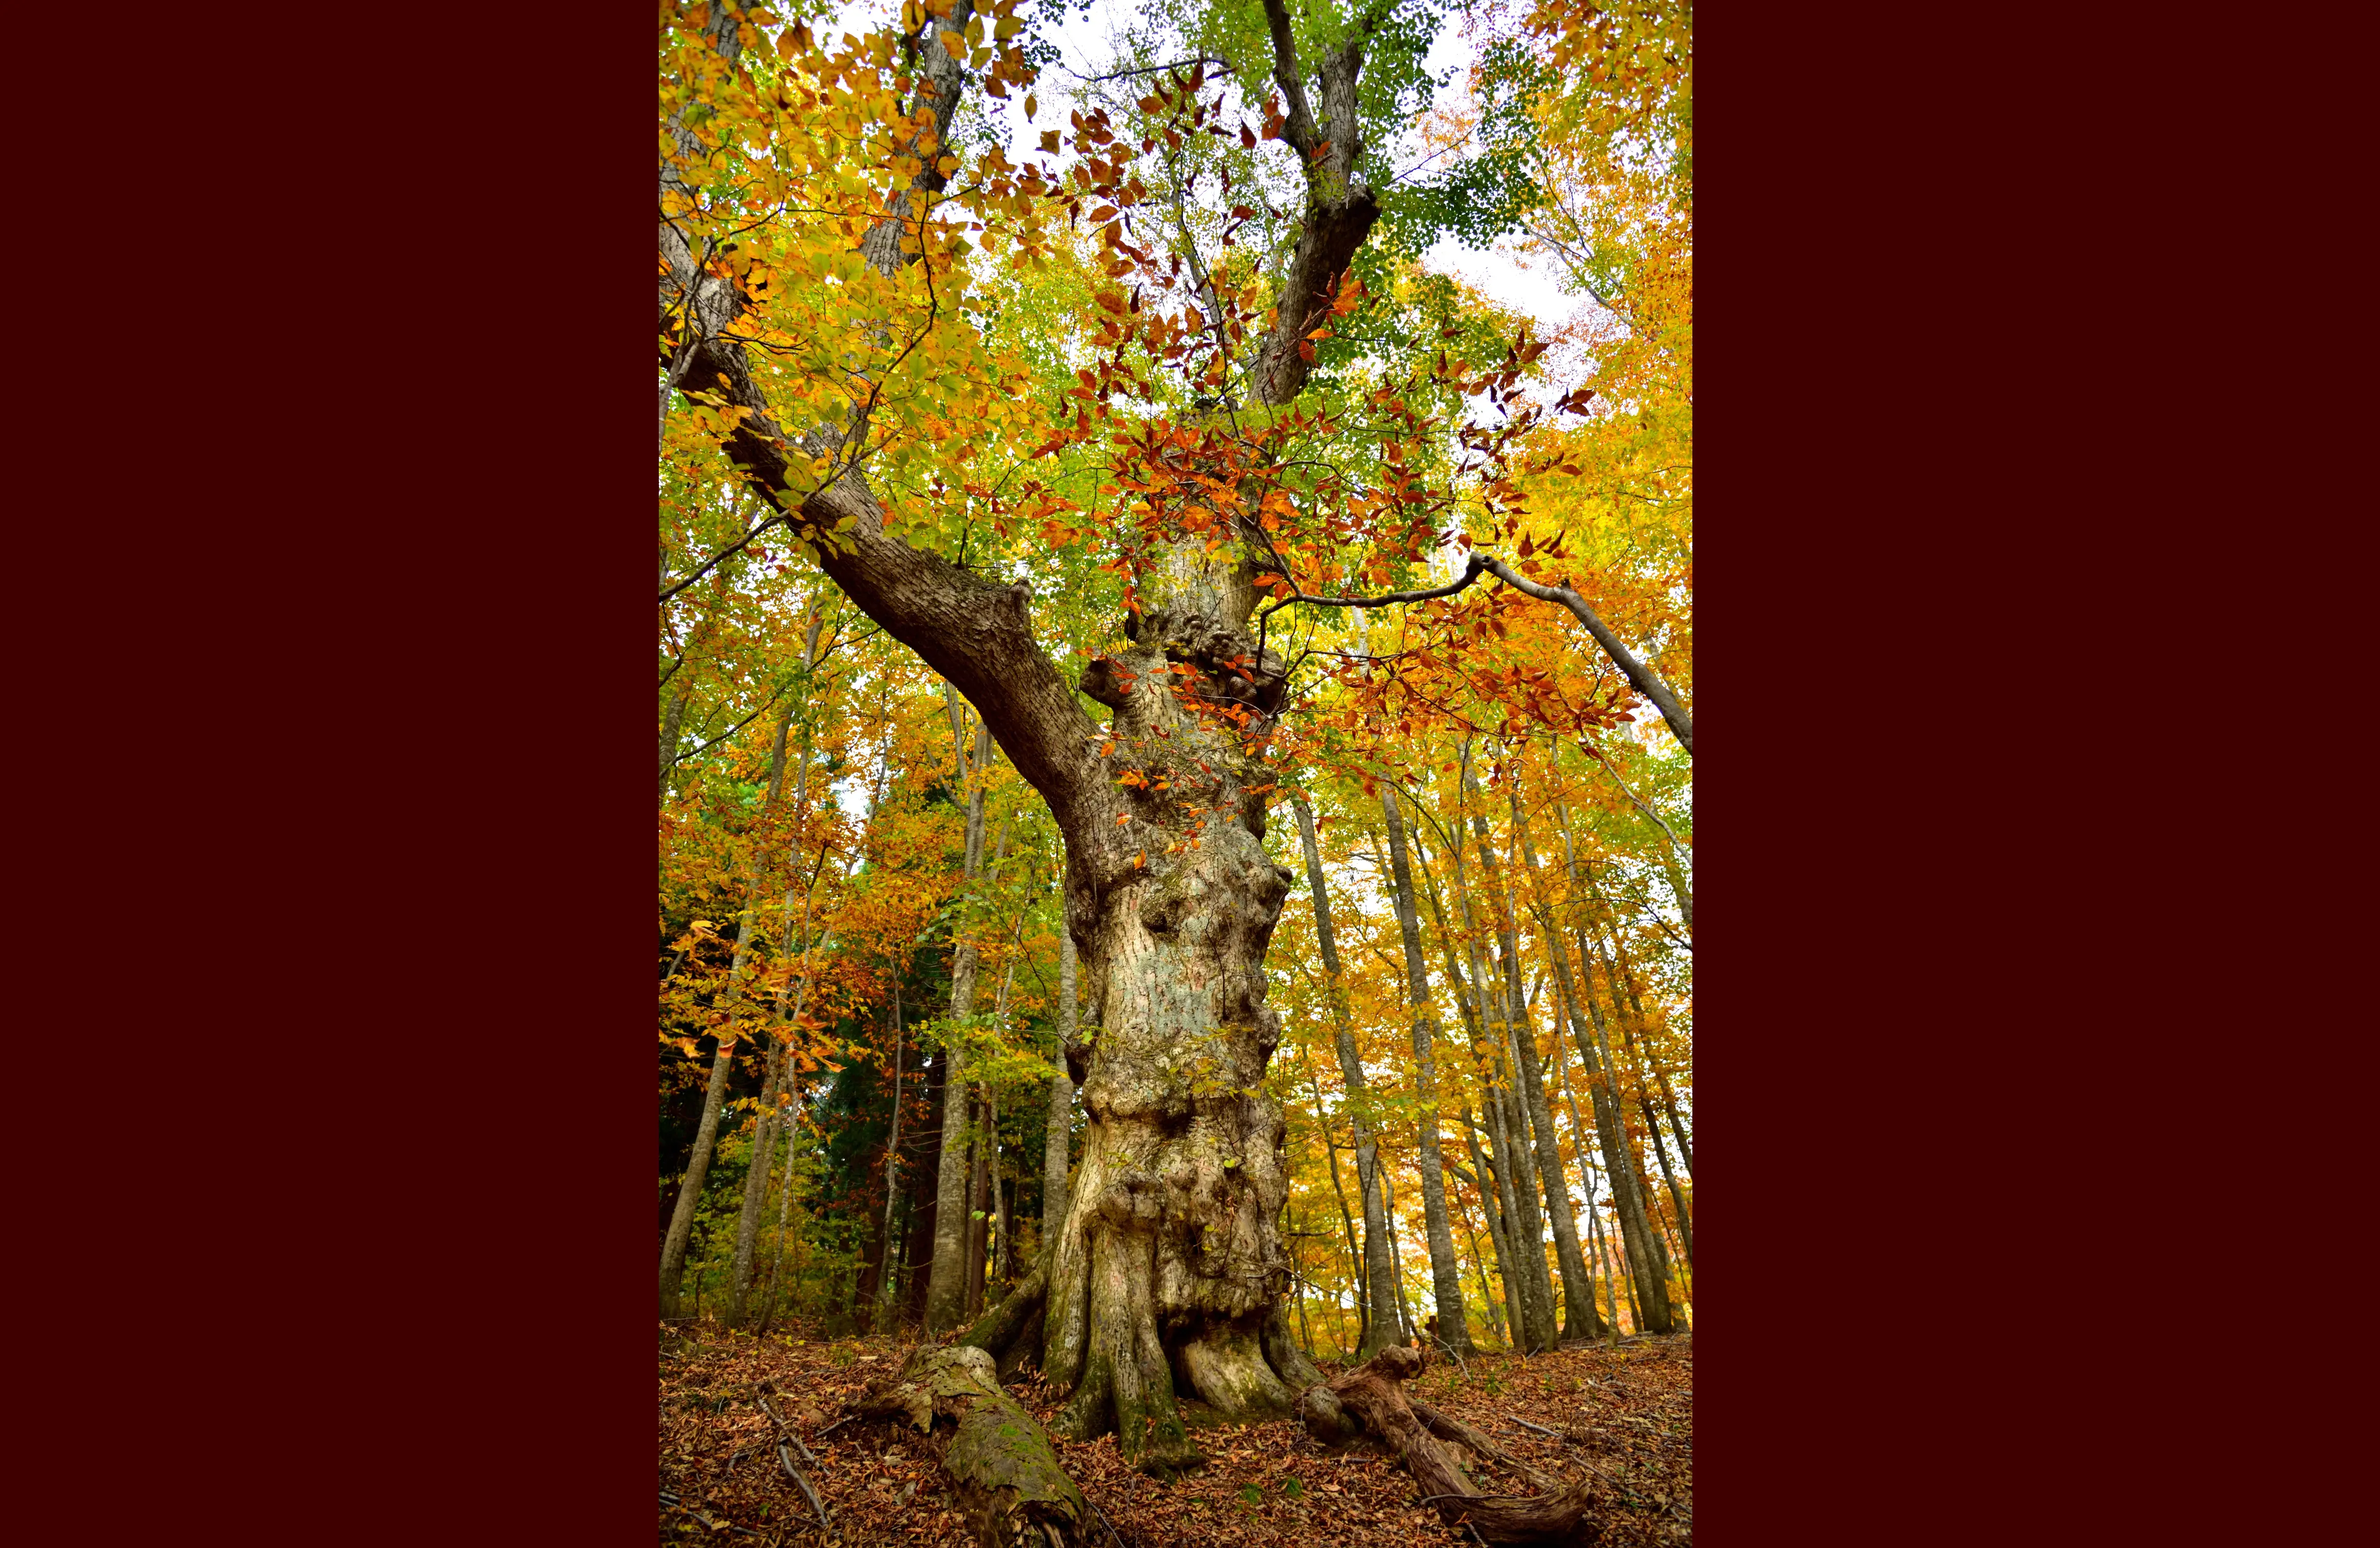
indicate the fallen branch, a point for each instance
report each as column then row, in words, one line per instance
column 785, row 1454
column 1524, row 1424
column 1372, row 1399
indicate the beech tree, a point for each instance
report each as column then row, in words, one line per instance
column 817, row 322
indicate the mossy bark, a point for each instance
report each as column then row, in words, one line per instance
column 1010, row 1490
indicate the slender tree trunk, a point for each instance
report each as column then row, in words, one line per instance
column 1620, row 1162
column 1616, row 966
column 1495, row 1204
column 785, row 1215
column 1445, row 1272
column 1580, row 1134
column 672, row 719
column 924, row 1191
column 1379, row 1274
column 1578, row 1299
column 947, row 1296
column 706, row 1136
column 884, row 1282
column 1652, row 1273
column 756, row 1181
column 1493, row 1181
column 1677, row 1124
column 1396, row 1262
column 1516, row 1170
column 1488, row 1307
column 979, row 1201
column 1003, row 1243
column 1354, row 1257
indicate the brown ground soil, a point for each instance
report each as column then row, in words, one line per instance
column 1627, row 1413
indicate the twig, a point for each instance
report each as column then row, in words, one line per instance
column 1526, row 1425
column 705, row 1518
column 1458, row 1358
column 1103, row 1519
column 794, row 1473
column 785, row 1431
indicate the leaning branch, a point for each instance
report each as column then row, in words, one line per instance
column 1640, row 677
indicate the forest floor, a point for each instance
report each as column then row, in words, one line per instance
column 1625, row 1412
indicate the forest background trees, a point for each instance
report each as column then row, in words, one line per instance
column 993, row 394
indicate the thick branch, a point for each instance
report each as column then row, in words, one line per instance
column 1299, row 130
column 975, row 633
column 1640, row 676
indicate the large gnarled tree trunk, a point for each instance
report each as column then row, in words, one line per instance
column 1167, row 1274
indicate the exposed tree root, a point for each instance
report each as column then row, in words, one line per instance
column 1002, row 1328
column 1369, row 1399
column 1010, row 1490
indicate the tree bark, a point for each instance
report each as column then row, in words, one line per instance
column 1487, row 1293
column 671, row 718
column 982, row 1153
column 1494, row 1178
column 1380, row 1273
column 1495, row 1195
column 1579, row 1133
column 1677, row 1124
column 1638, row 1056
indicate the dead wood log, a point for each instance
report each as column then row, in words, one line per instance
column 1371, row 1396
column 1010, row 1490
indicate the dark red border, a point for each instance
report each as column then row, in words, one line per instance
column 480, row 1140
column 1872, row 858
